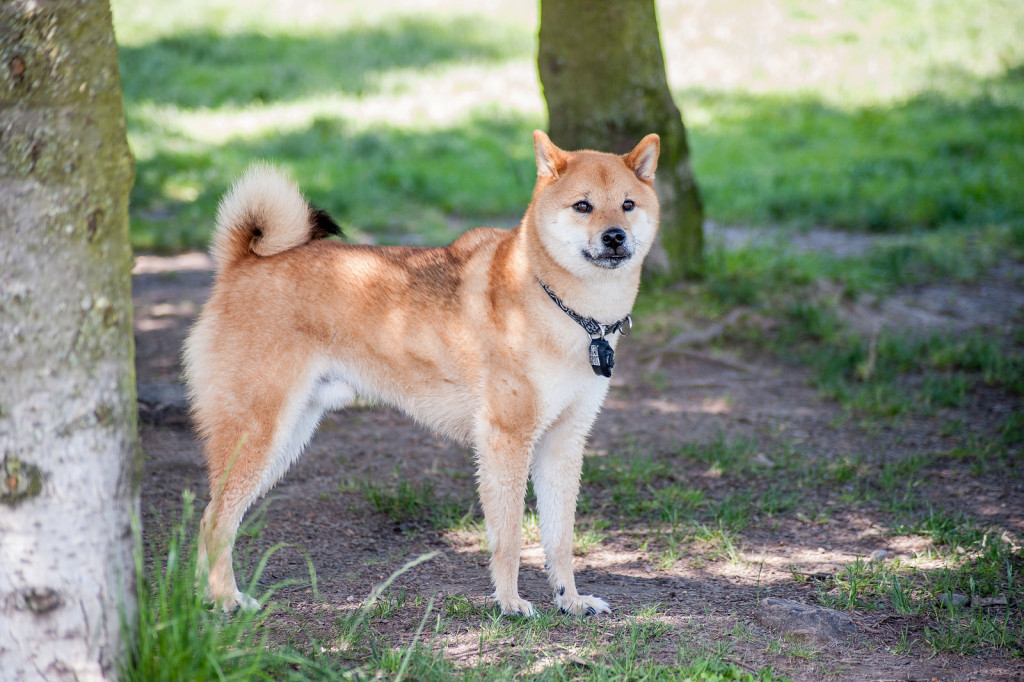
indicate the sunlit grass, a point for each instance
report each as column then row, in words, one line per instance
column 846, row 54
column 878, row 116
column 371, row 108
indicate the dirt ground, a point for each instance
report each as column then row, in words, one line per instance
column 658, row 400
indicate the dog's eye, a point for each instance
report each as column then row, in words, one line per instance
column 582, row 207
column 628, row 205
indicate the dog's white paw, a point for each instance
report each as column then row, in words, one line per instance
column 516, row 606
column 238, row 600
column 247, row 603
column 582, row 605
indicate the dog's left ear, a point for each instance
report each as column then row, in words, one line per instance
column 644, row 157
column 550, row 159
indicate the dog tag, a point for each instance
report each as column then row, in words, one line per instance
column 602, row 357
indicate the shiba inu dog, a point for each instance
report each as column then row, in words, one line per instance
column 502, row 340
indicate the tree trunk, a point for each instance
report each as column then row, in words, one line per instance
column 603, row 74
column 68, row 447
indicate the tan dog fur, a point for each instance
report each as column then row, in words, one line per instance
column 462, row 338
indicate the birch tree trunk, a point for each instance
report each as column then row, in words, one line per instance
column 68, row 449
column 603, row 74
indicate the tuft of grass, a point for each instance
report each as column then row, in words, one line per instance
column 408, row 502
column 721, row 452
column 388, row 604
column 173, row 635
column 718, row 541
column 628, row 479
column 586, row 540
column 853, row 586
column 676, row 503
column 459, row 606
column 968, row 633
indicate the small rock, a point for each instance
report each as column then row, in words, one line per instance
column 803, row 620
column 163, row 392
column 162, row 404
column 952, row 599
column 760, row 460
column 983, row 602
column 879, row 555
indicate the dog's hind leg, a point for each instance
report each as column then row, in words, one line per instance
column 557, row 463
column 235, row 463
column 246, row 458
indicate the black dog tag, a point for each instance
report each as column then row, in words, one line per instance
column 602, row 357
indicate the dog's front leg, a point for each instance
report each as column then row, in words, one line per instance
column 503, row 464
column 557, row 463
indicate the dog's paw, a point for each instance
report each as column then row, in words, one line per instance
column 247, row 603
column 516, row 606
column 238, row 601
column 582, row 605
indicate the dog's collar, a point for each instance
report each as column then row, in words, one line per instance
column 589, row 324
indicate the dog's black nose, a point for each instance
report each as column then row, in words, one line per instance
column 613, row 237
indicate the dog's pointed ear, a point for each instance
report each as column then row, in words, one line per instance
column 644, row 157
column 550, row 159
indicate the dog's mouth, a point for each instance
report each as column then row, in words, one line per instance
column 610, row 258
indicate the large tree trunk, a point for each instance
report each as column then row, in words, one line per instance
column 603, row 74
column 68, row 447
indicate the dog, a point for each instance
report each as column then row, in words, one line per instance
column 502, row 340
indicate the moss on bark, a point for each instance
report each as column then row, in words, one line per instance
column 66, row 348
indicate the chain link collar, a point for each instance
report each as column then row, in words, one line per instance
column 589, row 324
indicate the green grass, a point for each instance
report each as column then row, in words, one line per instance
column 173, row 635
column 414, row 503
column 344, row 97
column 642, row 487
column 935, row 160
column 885, row 374
column 979, row 563
column 392, row 122
column 896, row 373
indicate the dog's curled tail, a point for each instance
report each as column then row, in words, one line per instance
column 264, row 214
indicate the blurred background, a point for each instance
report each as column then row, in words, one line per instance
column 410, row 121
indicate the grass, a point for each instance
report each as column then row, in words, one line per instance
column 414, row 503
column 799, row 305
column 798, row 160
column 174, row 635
column 979, row 563
column 341, row 96
column 390, row 120
column 893, row 373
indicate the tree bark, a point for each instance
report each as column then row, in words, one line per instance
column 69, row 464
column 603, row 74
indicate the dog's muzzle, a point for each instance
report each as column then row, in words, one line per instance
column 615, row 250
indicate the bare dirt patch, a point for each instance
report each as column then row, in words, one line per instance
column 707, row 596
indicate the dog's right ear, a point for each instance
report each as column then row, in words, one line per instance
column 551, row 160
